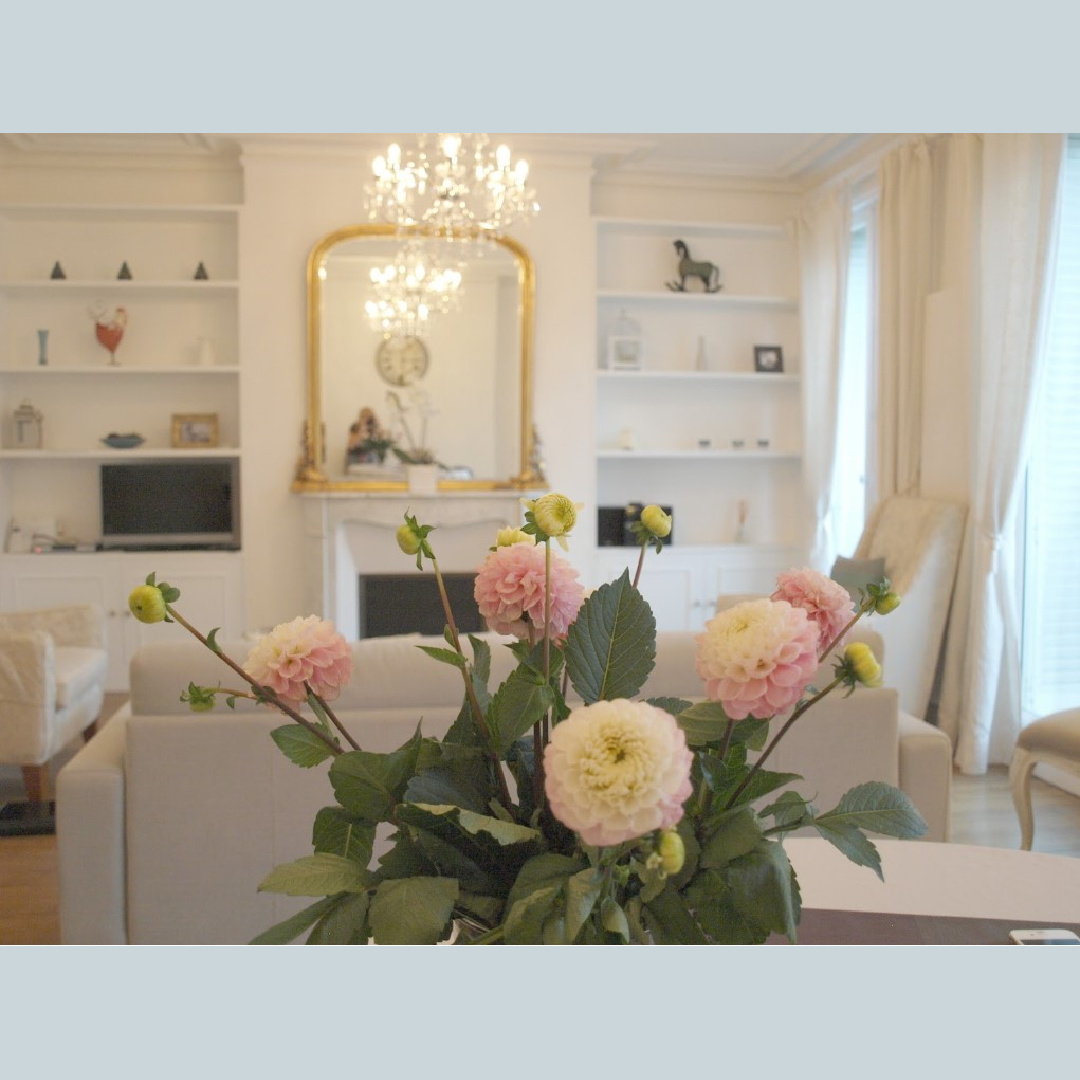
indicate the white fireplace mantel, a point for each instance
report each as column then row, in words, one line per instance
column 347, row 534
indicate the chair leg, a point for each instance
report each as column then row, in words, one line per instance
column 36, row 779
column 1020, row 783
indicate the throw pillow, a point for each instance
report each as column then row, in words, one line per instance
column 856, row 574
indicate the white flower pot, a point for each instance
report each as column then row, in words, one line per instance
column 422, row 479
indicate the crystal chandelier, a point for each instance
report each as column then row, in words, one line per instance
column 410, row 291
column 451, row 185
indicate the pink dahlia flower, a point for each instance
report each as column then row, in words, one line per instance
column 306, row 650
column 616, row 770
column 757, row 657
column 509, row 591
column 825, row 602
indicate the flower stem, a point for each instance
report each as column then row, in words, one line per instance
column 470, row 690
column 333, row 719
column 803, row 706
column 640, row 564
column 541, row 729
column 262, row 693
column 867, row 605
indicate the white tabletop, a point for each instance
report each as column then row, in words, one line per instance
column 923, row 878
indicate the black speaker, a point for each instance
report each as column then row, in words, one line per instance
column 609, row 526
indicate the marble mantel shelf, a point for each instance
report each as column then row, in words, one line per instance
column 348, row 534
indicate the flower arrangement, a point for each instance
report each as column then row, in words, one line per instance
column 537, row 821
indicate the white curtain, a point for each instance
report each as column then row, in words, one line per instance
column 1021, row 182
column 824, row 234
column 905, row 253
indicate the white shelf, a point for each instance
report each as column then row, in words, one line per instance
column 106, row 453
column 113, row 285
column 718, row 299
column 136, row 212
column 643, row 226
column 745, row 454
column 780, row 379
column 116, row 370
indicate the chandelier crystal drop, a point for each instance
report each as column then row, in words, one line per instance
column 410, row 291
column 453, row 185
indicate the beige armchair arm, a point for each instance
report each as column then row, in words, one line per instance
column 27, row 695
column 77, row 624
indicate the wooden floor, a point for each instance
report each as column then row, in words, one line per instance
column 982, row 814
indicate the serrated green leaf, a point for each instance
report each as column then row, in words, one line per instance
column 732, row 833
column 345, row 923
column 671, row 705
column 291, row 928
column 582, row 892
column 613, row 918
column 611, row 645
column 371, row 785
column 762, row 783
column 704, row 722
column 711, row 901
column 878, row 807
column 519, row 703
column 301, row 746
column 412, row 911
column 470, row 831
column 525, row 918
column 548, row 868
column 671, row 922
column 790, row 811
column 445, row 656
column 211, row 639
column 853, row 842
column 481, row 664
column 321, row 874
column 469, row 785
column 763, row 888
column 339, row 833
column 406, row 858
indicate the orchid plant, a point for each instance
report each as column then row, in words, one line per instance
column 539, row 820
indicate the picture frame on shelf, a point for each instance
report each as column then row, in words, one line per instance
column 625, row 345
column 768, row 358
column 194, row 430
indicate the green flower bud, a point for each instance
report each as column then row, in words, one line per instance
column 860, row 657
column 407, row 539
column 147, row 604
column 656, row 521
column 887, row 602
column 555, row 514
column 672, row 851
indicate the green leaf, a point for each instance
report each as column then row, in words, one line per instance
column 613, row 919
column 733, row 833
column 763, row 782
column 211, row 640
column 763, row 888
column 412, row 911
column 345, row 923
column 711, row 900
column 705, row 722
column 878, row 807
column 548, row 868
column 525, row 918
column 582, row 892
column 321, row 874
column 301, row 746
column 469, row 785
column 339, row 833
column 445, row 656
column 291, row 928
column 853, row 842
column 790, row 811
column 405, row 859
column 371, row 785
column 672, row 705
column 611, row 645
column 519, row 703
column 671, row 921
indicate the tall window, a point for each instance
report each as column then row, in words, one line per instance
column 850, row 480
column 1050, row 667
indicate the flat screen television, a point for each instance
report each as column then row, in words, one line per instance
column 170, row 504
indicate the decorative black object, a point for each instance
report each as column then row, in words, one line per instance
column 706, row 272
column 58, row 272
column 201, row 274
column 27, row 819
column 124, row 274
column 768, row 358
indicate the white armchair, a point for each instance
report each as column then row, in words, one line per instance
column 53, row 664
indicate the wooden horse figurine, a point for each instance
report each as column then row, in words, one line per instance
column 707, row 272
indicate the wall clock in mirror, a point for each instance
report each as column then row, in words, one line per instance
column 401, row 361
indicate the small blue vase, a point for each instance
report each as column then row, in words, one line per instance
column 43, row 347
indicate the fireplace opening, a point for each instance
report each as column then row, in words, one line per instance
column 410, row 604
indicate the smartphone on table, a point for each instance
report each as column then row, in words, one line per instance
column 1043, row 937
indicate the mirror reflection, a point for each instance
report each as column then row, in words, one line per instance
column 456, row 393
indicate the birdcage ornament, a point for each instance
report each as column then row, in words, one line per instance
column 26, row 427
column 625, row 346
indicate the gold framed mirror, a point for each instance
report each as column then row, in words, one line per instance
column 471, row 363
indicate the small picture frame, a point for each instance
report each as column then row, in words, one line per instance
column 768, row 358
column 195, row 430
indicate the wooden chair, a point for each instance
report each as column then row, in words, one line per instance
column 1053, row 740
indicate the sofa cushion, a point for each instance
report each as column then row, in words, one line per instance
column 77, row 670
column 856, row 574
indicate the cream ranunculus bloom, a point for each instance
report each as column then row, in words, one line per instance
column 616, row 770
column 511, row 536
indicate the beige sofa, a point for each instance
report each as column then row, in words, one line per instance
column 167, row 821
